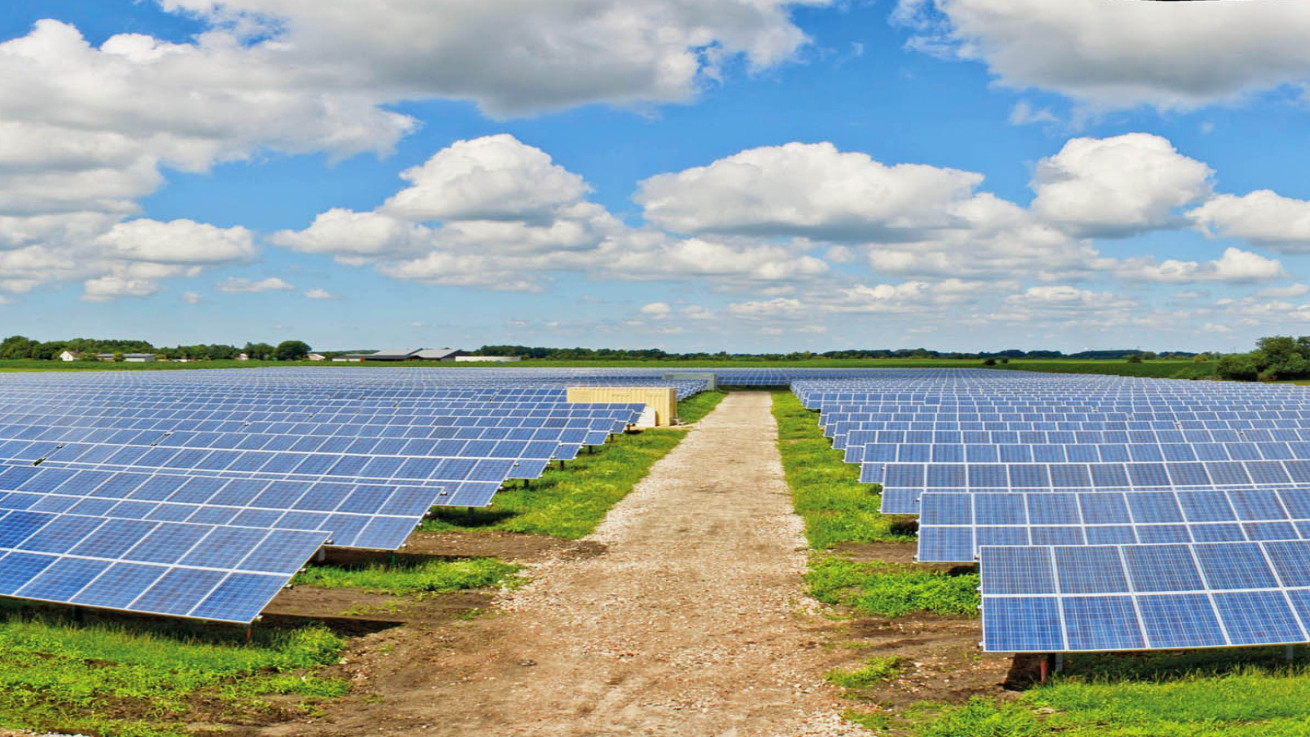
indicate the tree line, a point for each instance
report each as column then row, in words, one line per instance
column 21, row 347
column 1275, row 358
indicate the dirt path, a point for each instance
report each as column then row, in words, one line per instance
column 692, row 623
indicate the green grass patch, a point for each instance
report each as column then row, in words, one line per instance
column 875, row 671
column 693, row 408
column 837, row 508
column 883, row 589
column 412, row 577
column 826, row 491
column 1156, row 368
column 1256, row 701
column 570, row 502
column 152, row 680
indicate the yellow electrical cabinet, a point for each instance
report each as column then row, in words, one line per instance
column 664, row 400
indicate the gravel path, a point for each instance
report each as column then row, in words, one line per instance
column 693, row 623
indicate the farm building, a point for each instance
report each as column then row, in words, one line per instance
column 488, row 359
column 417, row 354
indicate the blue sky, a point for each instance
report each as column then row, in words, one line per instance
column 743, row 175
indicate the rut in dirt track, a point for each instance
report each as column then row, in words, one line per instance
column 693, row 622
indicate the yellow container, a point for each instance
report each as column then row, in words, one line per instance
column 663, row 399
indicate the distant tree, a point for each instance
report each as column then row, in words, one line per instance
column 1005, row 360
column 88, row 356
column 259, row 351
column 989, row 361
column 291, row 350
column 17, row 346
column 1238, row 367
column 1134, row 358
column 119, row 357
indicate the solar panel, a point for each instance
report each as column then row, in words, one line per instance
column 1136, row 597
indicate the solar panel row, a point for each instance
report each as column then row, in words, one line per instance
column 1106, row 513
column 195, row 495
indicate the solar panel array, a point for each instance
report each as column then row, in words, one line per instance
column 1106, row 513
column 200, row 493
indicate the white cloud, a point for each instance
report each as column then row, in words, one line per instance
column 236, row 285
column 85, row 131
column 1023, row 113
column 490, row 178
column 496, row 213
column 192, row 298
column 105, row 288
column 656, row 310
column 1262, row 217
column 1293, row 290
column 1117, row 186
column 812, row 190
column 1122, row 54
column 772, row 309
column 723, row 260
column 177, row 242
column 320, row 293
column 996, row 238
column 1234, row 266
column 518, row 56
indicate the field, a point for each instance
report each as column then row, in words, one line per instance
column 1157, row 368
column 893, row 645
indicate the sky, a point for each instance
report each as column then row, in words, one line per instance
column 692, row 175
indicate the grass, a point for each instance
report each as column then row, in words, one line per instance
column 1156, row 368
column 838, row 509
column 1234, row 693
column 875, row 671
column 882, row 589
column 412, row 577
column 826, row 491
column 569, row 503
column 152, row 680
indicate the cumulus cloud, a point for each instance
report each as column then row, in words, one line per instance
column 490, row 178
column 177, row 242
column 237, row 285
column 105, row 288
column 320, row 293
column 496, row 213
column 996, row 238
column 86, row 130
column 810, row 190
column 518, row 56
column 1234, row 266
column 1263, row 217
column 1110, row 187
column 1123, row 54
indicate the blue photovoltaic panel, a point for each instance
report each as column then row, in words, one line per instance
column 206, row 572
column 198, row 494
column 1178, row 512
column 954, row 524
column 1135, row 597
